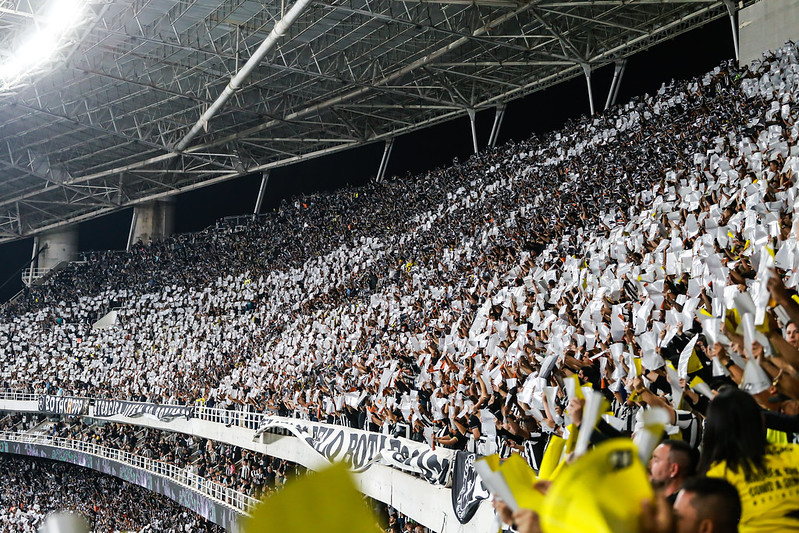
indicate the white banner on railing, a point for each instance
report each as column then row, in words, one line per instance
column 161, row 412
column 361, row 448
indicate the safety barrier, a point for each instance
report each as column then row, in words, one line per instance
column 18, row 396
column 239, row 501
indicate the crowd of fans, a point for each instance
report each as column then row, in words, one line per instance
column 245, row 471
column 34, row 488
column 639, row 250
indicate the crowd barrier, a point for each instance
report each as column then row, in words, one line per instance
column 238, row 501
column 18, row 396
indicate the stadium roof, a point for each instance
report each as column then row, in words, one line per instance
column 113, row 118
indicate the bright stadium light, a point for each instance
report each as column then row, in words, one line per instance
column 60, row 17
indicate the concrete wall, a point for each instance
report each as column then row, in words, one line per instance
column 62, row 245
column 153, row 221
column 766, row 25
column 430, row 505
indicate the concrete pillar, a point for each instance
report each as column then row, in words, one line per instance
column 57, row 246
column 765, row 26
column 152, row 222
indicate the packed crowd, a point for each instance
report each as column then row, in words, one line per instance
column 31, row 489
column 649, row 250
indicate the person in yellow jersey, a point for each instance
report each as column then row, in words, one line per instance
column 766, row 475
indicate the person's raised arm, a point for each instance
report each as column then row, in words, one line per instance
column 781, row 295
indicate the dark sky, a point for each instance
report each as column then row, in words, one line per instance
column 691, row 54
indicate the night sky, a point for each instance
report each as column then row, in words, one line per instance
column 689, row 55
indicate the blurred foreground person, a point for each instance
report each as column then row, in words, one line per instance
column 707, row 505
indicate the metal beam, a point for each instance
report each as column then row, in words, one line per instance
column 564, row 42
column 593, row 3
column 261, row 191
column 488, row 39
column 34, row 256
column 133, row 220
column 381, row 171
column 732, row 10
column 487, row 3
column 472, row 115
column 618, row 71
column 593, row 20
column 241, row 76
column 587, row 71
column 499, row 114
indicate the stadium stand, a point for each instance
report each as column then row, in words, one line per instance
column 638, row 250
column 34, row 488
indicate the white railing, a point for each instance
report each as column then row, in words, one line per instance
column 18, row 396
column 225, row 495
column 31, row 275
column 228, row 417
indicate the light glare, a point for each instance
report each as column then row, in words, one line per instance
column 62, row 16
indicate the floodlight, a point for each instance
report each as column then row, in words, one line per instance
column 58, row 19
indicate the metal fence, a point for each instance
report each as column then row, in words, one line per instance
column 225, row 495
column 18, row 396
column 230, row 417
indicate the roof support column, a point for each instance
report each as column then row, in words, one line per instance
column 34, row 256
column 472, row 115
column 618, row 72
column 732, row 11
column 381, row 170
column 499, row 114
column 133, row 220
column 152, row 221
column 259, row 200
column 587, row 71
column 60, row 245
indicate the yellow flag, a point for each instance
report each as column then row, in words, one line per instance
column 694, row 364
column 521, row 478
column 576, row 501
column 323, row 501
column 552, row 456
